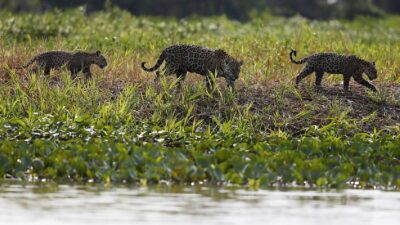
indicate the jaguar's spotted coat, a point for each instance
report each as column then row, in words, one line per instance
column 74, row 61
column 180, row 59
column 349, row 66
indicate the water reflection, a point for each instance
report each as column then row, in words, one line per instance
column 53, row 204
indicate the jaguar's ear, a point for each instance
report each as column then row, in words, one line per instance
column 220, row 53
column 98, row 53
column 373, row 63
column 241, row 62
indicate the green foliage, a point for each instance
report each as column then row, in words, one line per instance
column 327, row 162
column 123, row 128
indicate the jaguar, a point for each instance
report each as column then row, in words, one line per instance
column 181, row 59
column 74, row 61
column 349, row 66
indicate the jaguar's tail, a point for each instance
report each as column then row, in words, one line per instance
column 31, row 61
column 155, row 67
column 293, row 52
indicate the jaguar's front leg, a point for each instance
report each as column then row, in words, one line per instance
column 87, row 73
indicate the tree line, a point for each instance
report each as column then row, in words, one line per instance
column 236, row 9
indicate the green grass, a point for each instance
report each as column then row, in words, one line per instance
column 121, row 127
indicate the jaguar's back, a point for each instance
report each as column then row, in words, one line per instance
column 51, row 59
column 74, row 61
column 195, row 59
column 180, row 59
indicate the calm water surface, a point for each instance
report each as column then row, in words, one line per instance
column 49, row 205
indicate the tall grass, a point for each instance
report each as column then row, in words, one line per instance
column 122, row 127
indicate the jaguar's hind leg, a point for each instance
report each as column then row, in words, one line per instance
column 346, row 82
column 304, row 73
column 318, row 78
column 166, row 71
column 181, row 75
column 47, row 71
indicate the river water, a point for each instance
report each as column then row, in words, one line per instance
column 63, row 204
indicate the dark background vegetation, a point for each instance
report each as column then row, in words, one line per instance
column 236, row 9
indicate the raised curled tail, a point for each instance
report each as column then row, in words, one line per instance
column 293, row 52
column 155, row 67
